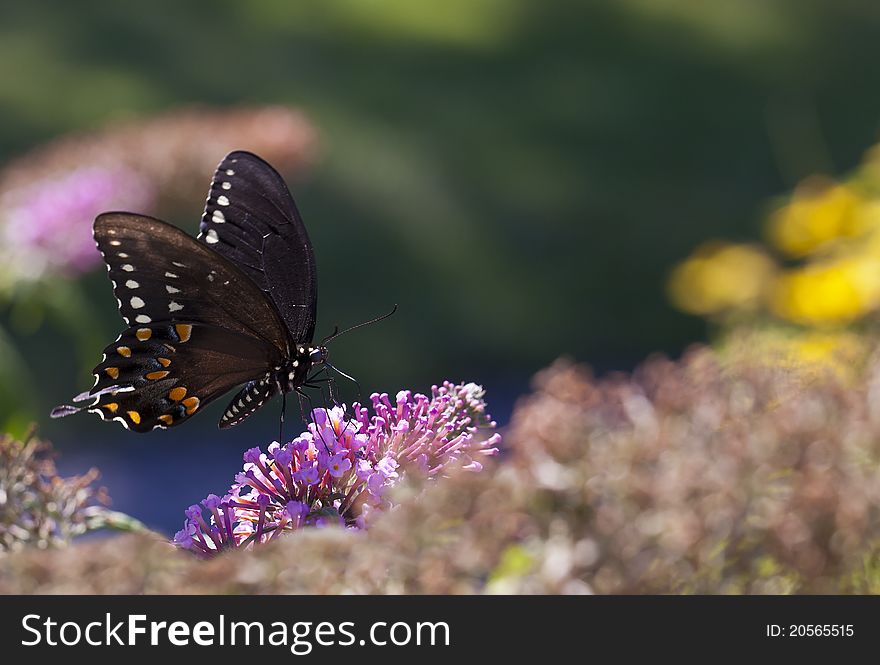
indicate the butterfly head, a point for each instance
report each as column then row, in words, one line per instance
column 307, row 359
column 317, row 355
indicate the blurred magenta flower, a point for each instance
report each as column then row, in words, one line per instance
column 48, row 225
column 340, row 469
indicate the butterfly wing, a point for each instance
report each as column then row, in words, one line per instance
column 160, row 273
column 251, row 219
column 199, row 326
column 160, row 374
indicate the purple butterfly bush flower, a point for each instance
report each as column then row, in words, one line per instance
column 340, row 469
column 47, row 225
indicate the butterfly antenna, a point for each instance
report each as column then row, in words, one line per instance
column 336, row 333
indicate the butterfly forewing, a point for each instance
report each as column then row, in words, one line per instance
column 199, row 326
column 160, row 273
column 251, row 219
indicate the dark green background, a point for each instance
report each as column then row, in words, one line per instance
column 518, row 176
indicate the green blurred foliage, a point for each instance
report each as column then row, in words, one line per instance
column 519, row 176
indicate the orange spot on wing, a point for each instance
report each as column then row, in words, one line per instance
column 153, row 376
column 135, row 417
column 112, row 372
column 165, row 418
column 191, row 404
column 123, row 351
column 184, row 330
column 143, row 334
column 164, row 362
column 177, row 394
column 111, row 407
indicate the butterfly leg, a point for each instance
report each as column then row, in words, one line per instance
column 302, row 409
column 353, row 380
column 303, row 394
column 324, row 394
column 313, row 381
column 350, row 412
column 319, row 385
column 281, row 421
column 350, row 378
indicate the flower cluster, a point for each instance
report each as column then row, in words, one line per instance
column 340, row 469
column 818, row 273
column 830, row 230
column 159, row 166
column 700, row 475
column 47, row 225
column 38, row 507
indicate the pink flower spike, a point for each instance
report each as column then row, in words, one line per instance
column 340, row 469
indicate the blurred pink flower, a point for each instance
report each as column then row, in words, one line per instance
column 48, row 225
column 159, row 166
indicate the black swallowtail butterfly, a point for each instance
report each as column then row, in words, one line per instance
column 235, row 306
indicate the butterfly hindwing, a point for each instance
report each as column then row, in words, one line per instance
column 160, row 374
column 251, row 219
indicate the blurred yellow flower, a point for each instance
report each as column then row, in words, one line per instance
column 820, row 270
column 819, row 212
column 805, row 351
column 839, row 350
column 832, row 292
column 720, row 277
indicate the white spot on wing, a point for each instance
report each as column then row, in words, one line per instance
column 222, row 200
column 230, row 172
column 115, row 243
column 143, row 318
column 171, row 275
column 171, row 289
column 174, row 307
column 218, row 217
column 122, row 255
column 226, row 185
column 212, row 237
column 128, row 267
column 137, row 303
column 132, row 284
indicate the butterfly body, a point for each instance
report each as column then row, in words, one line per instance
column 289, row 376
column 237, row 305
